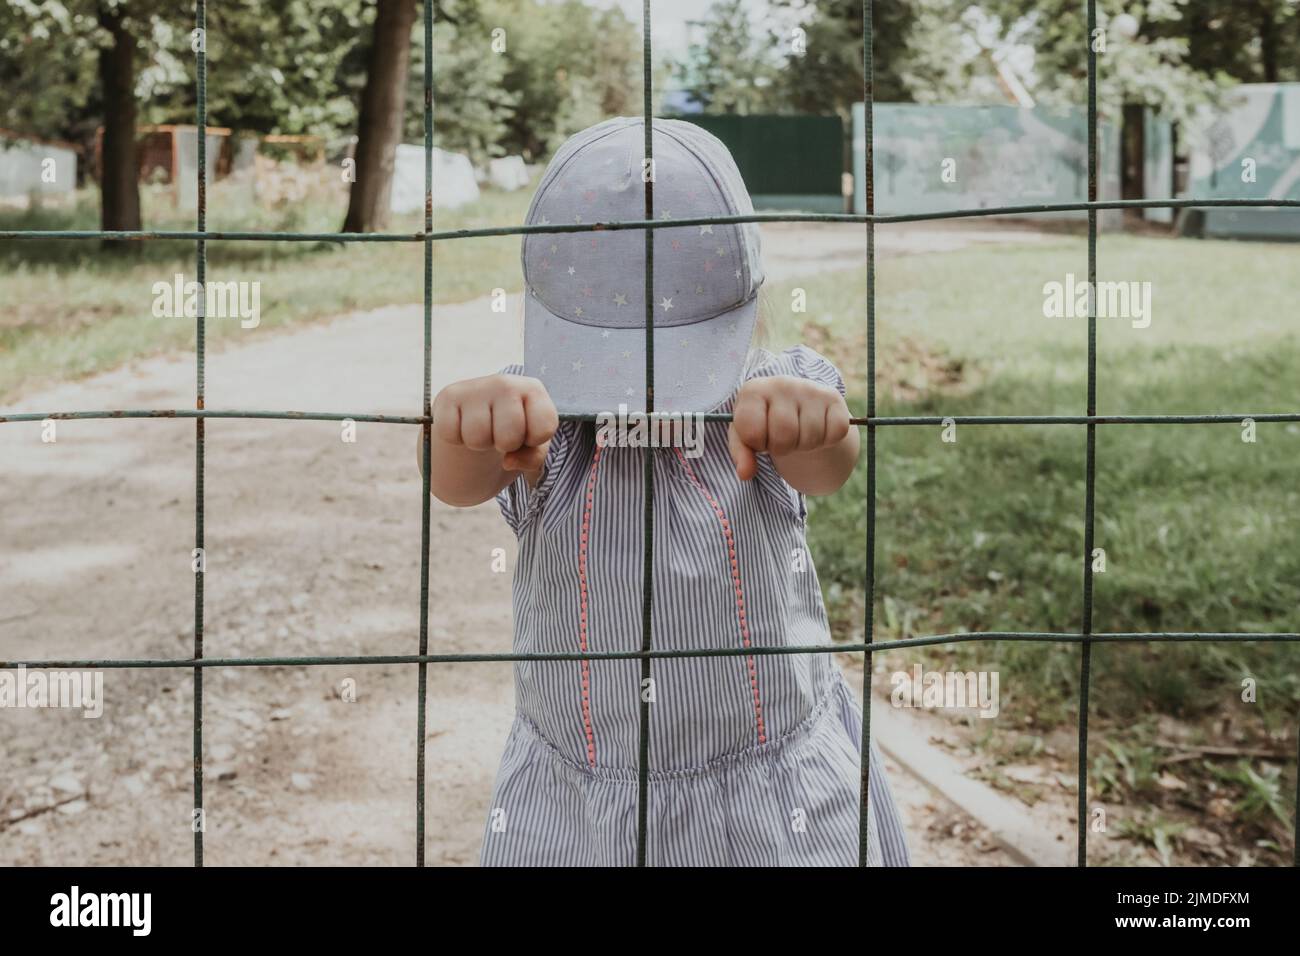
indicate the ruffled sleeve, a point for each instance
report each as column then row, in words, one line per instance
column 519, row 503
column 798, row 362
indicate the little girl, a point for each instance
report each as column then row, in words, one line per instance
column 754, row 759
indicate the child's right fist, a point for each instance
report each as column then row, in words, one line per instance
column 511, row 413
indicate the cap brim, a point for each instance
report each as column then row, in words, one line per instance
column 588, row 369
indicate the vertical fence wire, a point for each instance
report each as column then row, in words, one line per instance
column 647, row 569
column 197, row 822
column 1090, row 457
column 426, row 501
column 869, row 573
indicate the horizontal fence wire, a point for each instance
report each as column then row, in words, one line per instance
column 929, row 640
column 1226, row 418
column 1085, row 637
column 614, row 226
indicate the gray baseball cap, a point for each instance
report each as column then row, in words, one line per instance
column 584, row 306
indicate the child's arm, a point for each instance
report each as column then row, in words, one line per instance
column 802, row 425
column 485, row 432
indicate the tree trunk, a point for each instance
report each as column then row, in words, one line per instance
column 1132, row 165
column 379, row 126
column 119, row 176
column 1268, row 43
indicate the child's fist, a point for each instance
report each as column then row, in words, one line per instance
column 779, row 415
column 511, row 413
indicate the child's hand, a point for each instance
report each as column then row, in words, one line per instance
column 512, row 414
column 786, row 418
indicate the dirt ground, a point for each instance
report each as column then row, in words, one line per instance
column 312, row 549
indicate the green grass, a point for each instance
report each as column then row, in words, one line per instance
column 1199, row 528
column 71, row 308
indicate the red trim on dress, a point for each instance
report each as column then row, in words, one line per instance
column 582, row 616
column 740, row 591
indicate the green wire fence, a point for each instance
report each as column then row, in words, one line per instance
column 1085, row 637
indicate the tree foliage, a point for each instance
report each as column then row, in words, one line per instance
column 1183, row 52
column 734, row 68
column 297, row 66
column 567, row 65
column 1251, row 41
column 810, row 57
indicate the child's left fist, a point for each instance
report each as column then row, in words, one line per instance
column 780, row 415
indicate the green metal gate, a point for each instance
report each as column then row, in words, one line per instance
column 787, row 162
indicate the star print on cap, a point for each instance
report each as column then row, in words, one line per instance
column 585, row 314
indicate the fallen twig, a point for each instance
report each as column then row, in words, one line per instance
column 37, row 811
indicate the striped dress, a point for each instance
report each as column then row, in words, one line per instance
column 754, row 759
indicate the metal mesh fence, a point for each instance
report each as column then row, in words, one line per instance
column 1085, row 637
